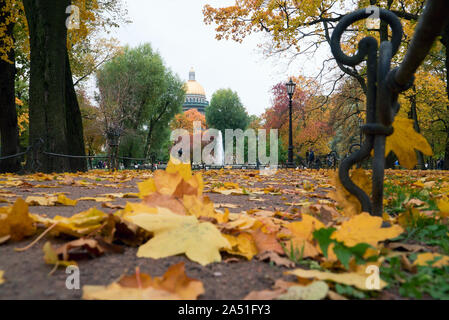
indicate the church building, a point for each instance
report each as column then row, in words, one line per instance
column 195, row 95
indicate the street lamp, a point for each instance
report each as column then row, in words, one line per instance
column 291, row 86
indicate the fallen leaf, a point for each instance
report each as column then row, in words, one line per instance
column 399, row 143
column 78, row 225
column 317, row 290
column 92, row 246
column 276, row 259
column 175, row 234
column 365, row 228
column 266, row 242
column 173, row 285
column 242, row 245
column 16, row 222
column 424, row 259
column 302, row 239
column 350, row 278
column 264, row 295
column 350, row 204
column 332, row 295
column 51, row 256
column 407, row 247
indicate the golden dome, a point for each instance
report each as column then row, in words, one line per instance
column 193, row 87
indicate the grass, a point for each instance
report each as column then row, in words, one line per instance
column 400, row 195
column 424, row 281
column 296, row 255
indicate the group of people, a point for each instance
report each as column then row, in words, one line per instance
column 312, row 162
column 101, row 165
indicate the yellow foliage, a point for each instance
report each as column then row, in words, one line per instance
column 16, row 222
column 175, row 234
column 404, row 141
column 173, row 285
column 78, row 225
column 424, row 259
column 365, row 228
column 51, row 257
column 350, row 204
column 351, row 278
column 302, row 239
column 242, row 245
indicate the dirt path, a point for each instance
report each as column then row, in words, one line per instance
column 26, row 274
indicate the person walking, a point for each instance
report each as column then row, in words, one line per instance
column 311, row 158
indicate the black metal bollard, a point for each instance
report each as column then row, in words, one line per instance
column 384, row 86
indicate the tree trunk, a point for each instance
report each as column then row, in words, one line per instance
column 54, row 112
column 413, row 115
column 445, row 42
column 8, row 116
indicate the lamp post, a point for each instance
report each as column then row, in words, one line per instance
column 291, row 86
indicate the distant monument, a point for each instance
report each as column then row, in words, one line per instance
column 195, row 95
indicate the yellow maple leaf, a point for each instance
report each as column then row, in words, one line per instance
column 242, row 245
column 77, row 225
column 146, row 188
column 176, row 166
column 63, row 200
column 173, row 285
column 51, row 257
column 350, row 278
column 1, row 276
column 424, row 259
column 16, row 221
column 443, row 206
column 350, row 204
column 303, row 235
column 175, row 234
column 365, row 228
column 404, row 141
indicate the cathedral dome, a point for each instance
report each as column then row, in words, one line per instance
column 195, row 95
column 192, row 86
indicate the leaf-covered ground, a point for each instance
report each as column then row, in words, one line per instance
column 226, row 234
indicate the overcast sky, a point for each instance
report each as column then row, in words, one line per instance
column 176, row 29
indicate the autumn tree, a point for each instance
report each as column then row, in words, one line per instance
column 94, row 139
column 186, row 120
column 9, row 131
column 23, row 33
column 311, row 128
column 139, row 96
column 226, row 111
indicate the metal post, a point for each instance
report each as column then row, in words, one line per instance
column 290, row 163
column 384, row 86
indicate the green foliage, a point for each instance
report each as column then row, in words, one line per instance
column 141, row 96
column 226, row 112
column 426, row 281
column 296, row 255
column 400, row 195
column 351, row 292
column 427, row 231
column 343, row 253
